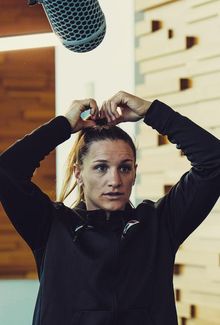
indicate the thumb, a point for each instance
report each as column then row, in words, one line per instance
column 88, row 123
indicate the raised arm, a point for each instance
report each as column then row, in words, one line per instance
column 192, row 198
column 29, row 209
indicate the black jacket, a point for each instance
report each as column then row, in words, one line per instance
column 99, row 271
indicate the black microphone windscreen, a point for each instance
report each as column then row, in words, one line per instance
column 80, row 24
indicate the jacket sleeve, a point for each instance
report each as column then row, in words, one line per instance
column 190, row 200
column 29, row 209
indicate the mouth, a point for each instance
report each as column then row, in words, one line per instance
column 113, row 195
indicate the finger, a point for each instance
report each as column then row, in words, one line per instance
column 114, row 110
column 119, row 98
column 94, row 111
column 101, row 112
column 108, row 111
column 89, row 104
column 88, row 123
column 104, row 111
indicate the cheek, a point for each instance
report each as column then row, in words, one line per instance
column 92, row 181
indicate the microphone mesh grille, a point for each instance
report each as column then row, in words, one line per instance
column 79, row 23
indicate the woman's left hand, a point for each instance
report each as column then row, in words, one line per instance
column 132, row 108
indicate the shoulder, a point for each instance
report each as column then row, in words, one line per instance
column 65, row 214
column 146, row 211
column 146, row 204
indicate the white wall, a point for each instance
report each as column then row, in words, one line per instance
column 17, row 301
column 99, row 73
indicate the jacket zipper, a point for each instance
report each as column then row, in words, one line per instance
column 115, row 299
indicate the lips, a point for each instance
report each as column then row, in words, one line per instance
column 113, row 194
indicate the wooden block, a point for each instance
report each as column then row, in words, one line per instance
column 195, row 242
column 207, row 80
column 204, row 114
column 27, row 87
column 17, row 259
column 151, row 184
column 7, row 246
column 213, row 273
column 202, row 11
column 24, row 83
column 37, row 114
column 150, row 160
column 196, row 298
column 203, row 67
column 195, row 284
column 193, row 257
column 147, row 27
column 208, row 313
column 197, row 3
column 159, row 48
column 153, row 38
column 28, row 20
column 184, row 309
column 190, row 271
column 2, row 58
column 143, row 27
column 215, row 131
column 163, row 87
column 203, row 29
column 31, row 276
column 7, row 227
column 198, row 321
column 167, row 62
column 142, row 5
column 190, row 96
column 146, row 138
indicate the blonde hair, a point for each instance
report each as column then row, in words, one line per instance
column 80, row 149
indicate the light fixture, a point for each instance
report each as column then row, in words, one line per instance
column 28, row 41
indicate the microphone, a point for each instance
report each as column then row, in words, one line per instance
column 80, row 24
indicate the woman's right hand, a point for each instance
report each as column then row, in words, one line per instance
column 77, row 108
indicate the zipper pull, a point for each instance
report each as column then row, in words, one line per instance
column 107, row 215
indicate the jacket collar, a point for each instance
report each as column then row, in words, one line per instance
column 101, row 218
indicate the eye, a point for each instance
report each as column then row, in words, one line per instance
column 101, row 168
column 125, row 168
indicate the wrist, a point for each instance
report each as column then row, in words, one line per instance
column 69, row 121
column 145, row 108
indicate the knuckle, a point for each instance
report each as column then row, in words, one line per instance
column 121, row 93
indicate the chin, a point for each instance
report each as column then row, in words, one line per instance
column 107, row 205
column 113, row 206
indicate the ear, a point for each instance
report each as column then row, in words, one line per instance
column 78, row 174
column 135, row 173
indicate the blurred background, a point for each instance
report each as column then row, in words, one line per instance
column 164, row 49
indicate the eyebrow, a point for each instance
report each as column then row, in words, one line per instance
column 105, row 161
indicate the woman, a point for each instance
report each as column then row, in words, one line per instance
column 105, row 262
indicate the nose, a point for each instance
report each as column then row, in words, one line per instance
column 115, row 179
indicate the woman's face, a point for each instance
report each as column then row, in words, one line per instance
column 107, row 175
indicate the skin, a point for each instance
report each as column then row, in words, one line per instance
column 109, row 166
column 122, row 107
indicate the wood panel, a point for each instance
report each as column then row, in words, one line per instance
column 27, row 95
column 18, row 18
column 183, row 48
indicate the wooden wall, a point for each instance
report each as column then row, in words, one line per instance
column 178, row 62
column 18, row 18
column 27, row 96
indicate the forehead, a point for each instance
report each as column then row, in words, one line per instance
column 111, row 150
